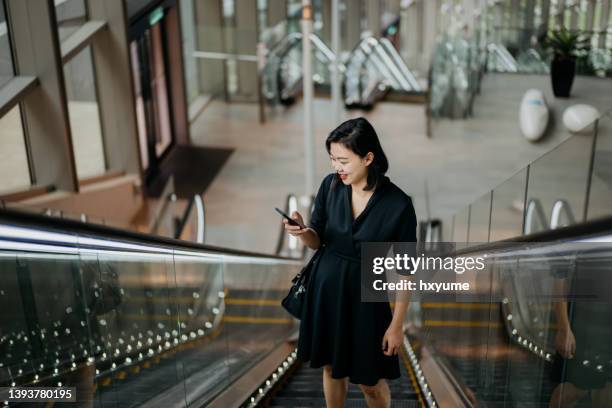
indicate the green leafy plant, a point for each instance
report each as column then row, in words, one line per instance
column 564, row 44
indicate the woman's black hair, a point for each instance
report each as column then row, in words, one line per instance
column 359, row 136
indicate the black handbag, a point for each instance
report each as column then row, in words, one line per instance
column 294, row 301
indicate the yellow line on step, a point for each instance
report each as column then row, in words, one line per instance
column 253, row 302
column 256, row 320
column 459, row 305
column 460, row 323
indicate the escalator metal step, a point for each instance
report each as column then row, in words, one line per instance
column 304, row 388
column 350, row 403
column 316, row 393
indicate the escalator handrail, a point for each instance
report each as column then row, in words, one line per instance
column 390, row 63
column 167, row 197
column 387, row 63
column 585, row 231
column 559, row 208
column 284, row 47
column 324, row 49
column 384, row 64
column 290, row 41
column 367, row 52
column 195, row 204
column 369, row 47
column 71, row 228
column 414, row 84
column 534, row 212
column 507, row 59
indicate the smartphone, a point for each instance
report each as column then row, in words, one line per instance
column 291, row 220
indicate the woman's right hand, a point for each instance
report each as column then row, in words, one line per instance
column 294, row 229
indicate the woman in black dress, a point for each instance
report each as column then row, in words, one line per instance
column 351, row 339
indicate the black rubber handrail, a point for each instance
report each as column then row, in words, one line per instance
column 31, row 220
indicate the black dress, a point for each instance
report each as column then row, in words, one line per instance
column 336, row 327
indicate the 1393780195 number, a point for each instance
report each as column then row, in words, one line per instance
column 38, row 394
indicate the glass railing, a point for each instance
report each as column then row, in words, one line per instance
column 568, row 185
column 528, row 56
column 509, row 348
column 600, row 183
column 129, row 319
column 456, row 70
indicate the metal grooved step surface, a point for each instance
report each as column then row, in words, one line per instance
column 305, row 389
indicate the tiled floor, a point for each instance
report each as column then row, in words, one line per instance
column 460, row 162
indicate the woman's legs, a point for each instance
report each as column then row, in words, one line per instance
column 377, row 396
column 334, row 389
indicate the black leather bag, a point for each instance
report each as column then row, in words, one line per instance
column 294, row 301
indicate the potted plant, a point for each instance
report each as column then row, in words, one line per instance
column 565, row 47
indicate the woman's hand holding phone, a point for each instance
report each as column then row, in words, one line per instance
column 295, row 230
column 295, row 226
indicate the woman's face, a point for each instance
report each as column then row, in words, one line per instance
column 350, row 166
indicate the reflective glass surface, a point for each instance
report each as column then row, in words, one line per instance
column 447, row 228
column 507, row 207
column 460, row 230
column 480, row 212
column 557, row 187
column 600, row 194
column 253, row 321
column 134, row 324
column 544, row 339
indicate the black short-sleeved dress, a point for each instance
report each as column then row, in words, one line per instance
column 336, row 327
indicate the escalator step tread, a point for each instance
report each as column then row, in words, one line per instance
column 350, row 403
column 313, row 386
column 318, row 393
column 305, row 389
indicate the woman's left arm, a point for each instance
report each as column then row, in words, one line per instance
column 394, row 336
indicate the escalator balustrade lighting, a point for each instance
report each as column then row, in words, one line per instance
column 420, row 377
column 522, row 340
column 270, row 382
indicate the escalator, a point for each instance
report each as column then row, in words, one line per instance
column 135, row 320
column 374, row 68
column 503, row 352
column 369, row 72
column 282, row 73
column 538, row 331
column 132, row 319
